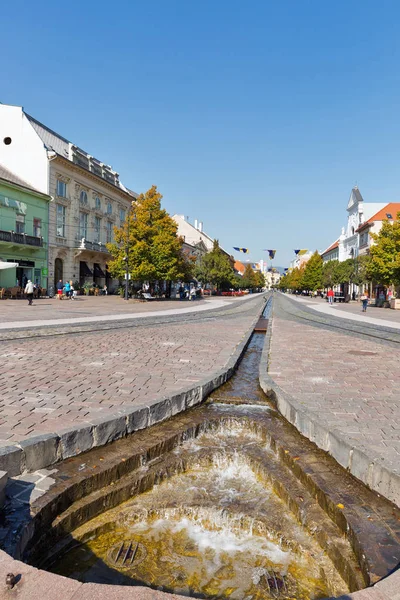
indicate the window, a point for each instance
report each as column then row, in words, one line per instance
column 20, row 224
column 109, row 208
column 83, row 220
column 122, row 215
column 389, row 216
column 108, row 232
column 61, row 189
column 83, row 197
column 60, row 220
column 37, row 227
column 97, row 228
column 97, row 203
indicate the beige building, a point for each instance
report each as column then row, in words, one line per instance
column 88, row 199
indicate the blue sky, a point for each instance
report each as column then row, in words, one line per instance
column 255, row 117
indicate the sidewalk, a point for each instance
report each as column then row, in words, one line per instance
column 384, row 317
column 16, row 314
column 49, row 383
column 347, row 390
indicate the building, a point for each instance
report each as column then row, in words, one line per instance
column 272, row 278
column 24, row 215
column 194, row 236
column 374, row 224
column 358, row 212
column 88, row 198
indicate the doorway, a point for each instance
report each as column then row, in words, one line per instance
column 58, row 271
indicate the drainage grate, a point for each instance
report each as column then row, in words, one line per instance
column 126, row 554
column 362, row 353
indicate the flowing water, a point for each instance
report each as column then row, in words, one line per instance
column 214, row 528
column 217, row 530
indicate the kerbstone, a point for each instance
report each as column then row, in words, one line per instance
column 76, row 440
column 106, row 430
column 137, row 419
column 11, row 460
column 40, row 451
column 3, row 483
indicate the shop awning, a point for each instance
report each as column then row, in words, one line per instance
column 7, row 265
column 84, row 270
column 98, row 271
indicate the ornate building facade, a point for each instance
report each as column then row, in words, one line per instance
column 87, row 198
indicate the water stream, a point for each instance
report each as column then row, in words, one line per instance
column 214, row 529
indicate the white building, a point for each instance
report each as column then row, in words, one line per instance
column 194, row 234
column 358, row 211
column 88, row 199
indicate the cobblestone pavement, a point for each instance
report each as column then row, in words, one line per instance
column 74, row 378
column 352, row 385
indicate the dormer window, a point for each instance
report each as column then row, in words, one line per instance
column 389, row 216
column 83, row 197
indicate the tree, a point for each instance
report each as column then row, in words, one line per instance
column 312, row 277
column 330, row 273
column 260, row 280
column 249, row 279
column 148, row 241
column 215, row 268
column 384, row 266
column 361, row 269
column 293, row 279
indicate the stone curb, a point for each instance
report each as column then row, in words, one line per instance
column 357, row 462
column 43, row 451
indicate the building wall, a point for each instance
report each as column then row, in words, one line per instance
column 191, row 234
column 69, row 248
column 32, row 207
column 26, row 155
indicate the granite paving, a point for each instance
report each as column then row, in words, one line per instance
column 349, row 384
column 48, row 382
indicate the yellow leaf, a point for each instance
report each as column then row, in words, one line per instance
column 340, row 505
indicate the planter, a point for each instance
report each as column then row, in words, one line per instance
column 395, row 303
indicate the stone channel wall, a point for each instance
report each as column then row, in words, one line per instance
column 333, row 443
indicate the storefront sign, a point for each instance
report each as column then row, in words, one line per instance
column 45, row 272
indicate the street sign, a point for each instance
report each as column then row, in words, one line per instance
column 129, row 276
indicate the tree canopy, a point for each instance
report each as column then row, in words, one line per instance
column 312, row 276
column 148, row 242
column 215, row 268
column 384, row 266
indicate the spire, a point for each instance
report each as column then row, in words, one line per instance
column 355, row 198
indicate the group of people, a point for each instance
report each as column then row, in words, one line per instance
column 364, row 298
column 66, row 289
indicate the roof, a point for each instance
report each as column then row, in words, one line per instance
column 331, row 247
column 389, row 209
column 10, row 177
column 239, row 267
column 355, row 197
column 71, row 152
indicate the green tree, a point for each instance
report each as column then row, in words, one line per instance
column 215, row 268
column 384, row 266
column 361, row 269
column 312, row 277
column 330, row 273
column 260, row 280
column 249, row 279
column 148, row 241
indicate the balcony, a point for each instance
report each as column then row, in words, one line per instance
column 84, row 244
column 21, row 238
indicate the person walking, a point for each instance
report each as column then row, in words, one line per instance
column 364, row 300
column 60, row 286
column 29, row 291
column 67, row 288
column 330, row 295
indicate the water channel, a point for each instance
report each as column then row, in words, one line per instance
column 224, row 501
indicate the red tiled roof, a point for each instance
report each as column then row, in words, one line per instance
column 389, row 209
column 239, row 267
column 332, row 247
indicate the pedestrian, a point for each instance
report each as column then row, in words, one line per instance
column 330, row 295
column 29, row 291
column 71, row 290
column 67, row 288
column 24, row 281
column 364, row 300
column 60, row 289
column 105, row 290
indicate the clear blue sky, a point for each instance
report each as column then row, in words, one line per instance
column 255, row 117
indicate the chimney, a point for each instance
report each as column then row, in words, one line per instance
column 195, row 223
column 201, row 226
